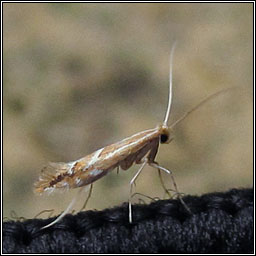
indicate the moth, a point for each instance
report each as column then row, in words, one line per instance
column 140, row 148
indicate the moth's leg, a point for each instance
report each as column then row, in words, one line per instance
column 153, row 151
column 162, row 183
column 131, row 186
column 166, row 190
column 158, row 167
column 88, row 197
column 65, row 212
column 151, row 159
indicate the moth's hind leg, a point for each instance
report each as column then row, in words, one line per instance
column 132, row 182
column 160, row 168
column 88, row 197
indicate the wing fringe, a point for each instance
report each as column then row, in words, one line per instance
column 52, row 177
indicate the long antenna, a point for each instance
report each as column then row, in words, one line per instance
column 170, row 88
column 199, row 105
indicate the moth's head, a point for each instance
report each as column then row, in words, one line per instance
column 166, row 134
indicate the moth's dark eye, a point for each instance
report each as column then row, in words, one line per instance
column 163, row 138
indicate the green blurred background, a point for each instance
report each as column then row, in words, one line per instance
column 78, row 77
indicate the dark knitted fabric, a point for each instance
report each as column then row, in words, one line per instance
column 219, row 223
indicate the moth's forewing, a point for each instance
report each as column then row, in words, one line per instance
column 92, row 167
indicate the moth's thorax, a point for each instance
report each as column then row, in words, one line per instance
column 165, row 134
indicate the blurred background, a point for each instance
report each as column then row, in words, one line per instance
column 78, row 77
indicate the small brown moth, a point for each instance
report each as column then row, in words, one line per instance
column 140, row 148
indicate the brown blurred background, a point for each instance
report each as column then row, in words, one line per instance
column 78, row 77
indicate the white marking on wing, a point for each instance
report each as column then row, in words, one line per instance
column 65, row 184
column 49, row 190
column 95, row 172
column 78, row 180
column 130, row 144
column 93, row 160
column 71, row 165
column 95, row 157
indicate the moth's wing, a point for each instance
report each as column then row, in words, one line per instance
column 49, row 174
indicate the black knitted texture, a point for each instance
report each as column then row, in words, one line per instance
column 219, row 223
